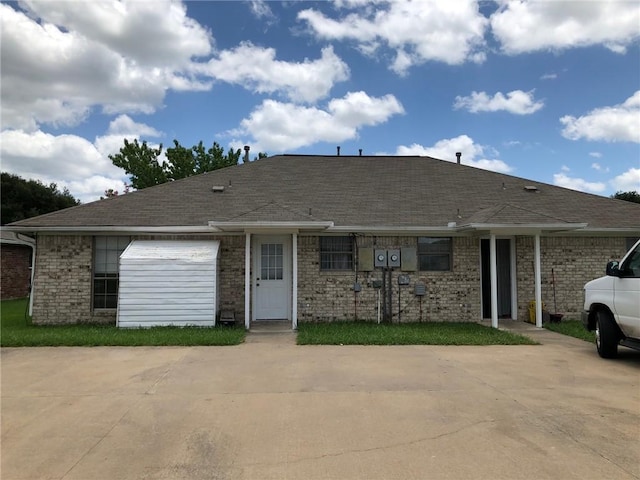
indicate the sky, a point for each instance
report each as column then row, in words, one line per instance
column 547, row 90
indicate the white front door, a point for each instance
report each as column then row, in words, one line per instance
column 271, row 277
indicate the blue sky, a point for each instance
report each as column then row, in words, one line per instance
column 546, row 90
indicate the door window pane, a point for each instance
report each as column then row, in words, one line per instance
column 271, row 267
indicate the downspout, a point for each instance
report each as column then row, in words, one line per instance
column 33, row 278
column 31, row 242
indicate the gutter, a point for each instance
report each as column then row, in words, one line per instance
column 328, row 227
column 113, row 229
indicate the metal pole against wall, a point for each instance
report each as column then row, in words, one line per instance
column 294, row 282
column 494, row 281
column 247, row 281
column 538, row 281
column 390, row 297
column 384, row 295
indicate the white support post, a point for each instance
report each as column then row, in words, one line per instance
column 538, row 281
column 494, row 281
column 247, row 281
column 294, row 281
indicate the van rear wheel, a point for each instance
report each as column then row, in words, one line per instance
column 607, row 335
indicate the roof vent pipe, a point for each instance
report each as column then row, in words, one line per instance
column 338, row 149
column 246, row 153
column 458, row 155
column 360, row 151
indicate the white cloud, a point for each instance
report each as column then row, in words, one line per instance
column 472, row 153
column 69, row 160
column 563, row 180
column 527, row 26
column 157, row 33
column 595, row 155
column 549, row 76
column 620, row 123
column 66, row 160
column 61, row 61
column 256, row 69
column 281, row 127
column 416, row 32
column 627, row 181
column 120, row 128
column 124, row 125
column 599, row 168
column 261, row 9
column 516, row 102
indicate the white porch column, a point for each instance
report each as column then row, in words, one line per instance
column 294, row 281
column 538, row 281
column 247, row 281
column 494, row 281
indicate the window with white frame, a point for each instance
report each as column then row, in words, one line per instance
column 435, row 254
column 106, row 253
column 336, row 253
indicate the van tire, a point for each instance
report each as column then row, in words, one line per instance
column 607, row 335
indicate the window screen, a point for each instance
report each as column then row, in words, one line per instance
column 434, row 254
column 336, row 253
column 106, row 254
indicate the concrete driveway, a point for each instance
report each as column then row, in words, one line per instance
column 269, row 409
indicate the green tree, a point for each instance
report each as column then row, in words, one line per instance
column 631, row 196
column 145, row 167
column 142, row 164
column 28, row 198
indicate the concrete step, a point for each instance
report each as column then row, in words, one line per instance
column 271, row 326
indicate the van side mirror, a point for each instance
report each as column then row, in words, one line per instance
column 613, row 269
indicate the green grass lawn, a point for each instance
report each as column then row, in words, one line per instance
column 364, row 333
column 573, row 328
column 16, row 331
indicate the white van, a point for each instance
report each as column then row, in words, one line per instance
column 612, row 305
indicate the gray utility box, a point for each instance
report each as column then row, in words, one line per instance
column 380, row 258
column 386, row 258
column 393, row 258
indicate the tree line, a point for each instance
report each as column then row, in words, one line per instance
column 27, row 198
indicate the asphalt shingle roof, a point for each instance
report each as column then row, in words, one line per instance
column 349, row 191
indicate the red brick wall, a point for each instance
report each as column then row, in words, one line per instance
column 15, row 274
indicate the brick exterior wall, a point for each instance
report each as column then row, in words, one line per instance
column 574, row 260
column 62, row 283
column 15, row 273
column 63, row 279
column 328, row 296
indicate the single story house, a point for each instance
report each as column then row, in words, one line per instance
column 323, row 238
column 16, row 256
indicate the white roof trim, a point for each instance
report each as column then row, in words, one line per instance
column 524, row 228
column 328, row 227
column 120, row 229
column 269, row 226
